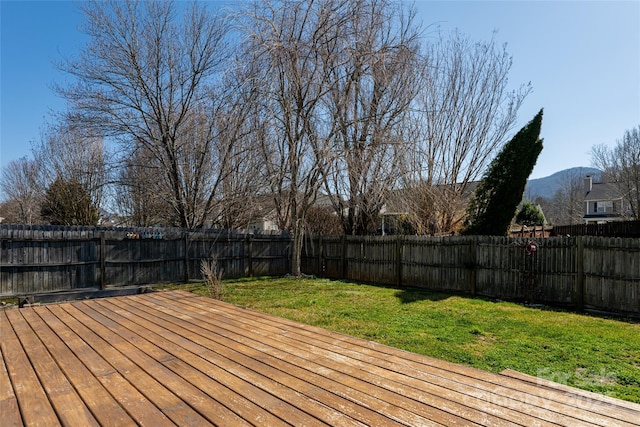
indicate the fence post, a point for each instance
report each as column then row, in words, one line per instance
column 474, row 265
column 186, row 257
column 580, row 279
column 320, row 257
column 103, row 255
column 399, row 255
column 249, row 254
column 343, row 256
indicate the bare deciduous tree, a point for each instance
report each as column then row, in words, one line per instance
column 464, row 114
column 566, row 206
column 621, row 165
column 332, row 93
column 147, row 79
column 140, row 197
column 283, row 44
column 243, row 185
column 23, row 189
column 371, row 68
column 72, row 153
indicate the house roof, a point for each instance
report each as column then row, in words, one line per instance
column 603, row 191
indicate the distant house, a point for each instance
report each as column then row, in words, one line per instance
column 263, row 225
column 265, row 217
column 434, row 209
column 602, row 202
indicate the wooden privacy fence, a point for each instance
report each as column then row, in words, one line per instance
column 43, row 259
column 609, row 229
column 582, row 272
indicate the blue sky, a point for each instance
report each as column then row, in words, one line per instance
column 581, row 57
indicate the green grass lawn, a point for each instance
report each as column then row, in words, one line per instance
column 589, row 352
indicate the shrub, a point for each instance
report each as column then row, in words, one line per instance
column 212, row 277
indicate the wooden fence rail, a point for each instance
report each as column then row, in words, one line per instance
column 582, row 272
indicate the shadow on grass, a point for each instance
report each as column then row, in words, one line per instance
column 409, row 295
column 629, row 318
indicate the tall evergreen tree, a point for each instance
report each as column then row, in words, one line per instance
column 69, row 203
column 497, row 197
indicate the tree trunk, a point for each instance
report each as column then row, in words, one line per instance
column 296, row 248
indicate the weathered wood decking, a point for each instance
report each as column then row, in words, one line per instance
column 174, row 358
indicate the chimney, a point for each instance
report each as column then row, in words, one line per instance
column 588, row 184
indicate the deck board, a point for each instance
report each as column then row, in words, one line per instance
column 66, row 402
column 31, row 397
column 232, row 390
column 618, row 409
column 175, row 358
column 390, row 363
column 61, row 343
column 9, row 409
column 133, row 371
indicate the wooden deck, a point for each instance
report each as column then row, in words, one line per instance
column 174, row 358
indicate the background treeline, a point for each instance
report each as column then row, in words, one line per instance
column 315, row 114
column 186, row 116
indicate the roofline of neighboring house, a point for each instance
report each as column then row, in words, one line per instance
column 586, row 199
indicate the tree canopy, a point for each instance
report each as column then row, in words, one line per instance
column 201, row 116
column 621, row 166
column 497, row 197
column 69, row 203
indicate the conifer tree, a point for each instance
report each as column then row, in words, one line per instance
column 497, row 197
column 69, row 203
column 530, row 214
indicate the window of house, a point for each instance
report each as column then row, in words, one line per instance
column 604, row 207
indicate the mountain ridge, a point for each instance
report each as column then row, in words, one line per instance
column 547, row 186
